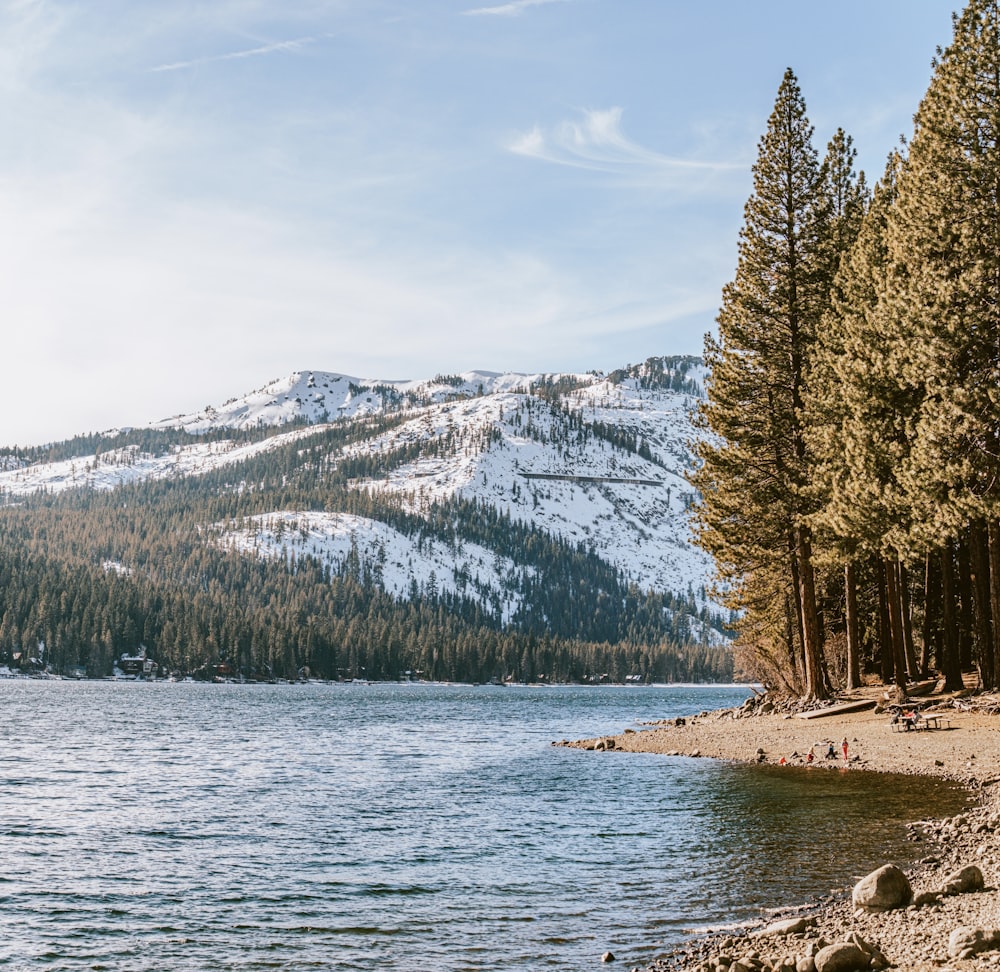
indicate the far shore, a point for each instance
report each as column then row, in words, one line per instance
column 966, row 748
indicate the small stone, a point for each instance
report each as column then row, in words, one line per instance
column 806, row 964
column 789, row 926
column 607, row 957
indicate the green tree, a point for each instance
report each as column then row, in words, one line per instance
column 755, row 467
column 944, row 238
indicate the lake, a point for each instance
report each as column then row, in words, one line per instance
column 400, row 827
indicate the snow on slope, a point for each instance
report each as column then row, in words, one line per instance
column 318, row 396
column 631, row 510
column 467, row 569
column 495, row 443
column 120, row 466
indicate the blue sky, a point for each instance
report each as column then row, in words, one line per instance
column 196, row 198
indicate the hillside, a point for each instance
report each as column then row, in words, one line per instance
column 545, row 506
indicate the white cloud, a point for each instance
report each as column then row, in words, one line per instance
column 512, row 9
column 278, row 46
column 597, row 142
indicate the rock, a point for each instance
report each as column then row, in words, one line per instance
column 872, row 950
column 961, row 882
column 789, row 926
column 841, row 957
column 972, row 940
column 607, row 957
column 926, row 898
column 882, row 890
column 807, row 964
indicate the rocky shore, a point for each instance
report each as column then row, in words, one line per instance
column 942, row 914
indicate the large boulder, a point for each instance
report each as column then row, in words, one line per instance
column 882, row 890
column 970, row 878
column 842, row 957
column 964, row 942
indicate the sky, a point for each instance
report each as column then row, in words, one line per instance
column 199, row 197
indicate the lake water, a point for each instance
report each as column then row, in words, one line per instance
column 179, row 826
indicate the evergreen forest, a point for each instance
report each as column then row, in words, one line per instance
column 849, row 475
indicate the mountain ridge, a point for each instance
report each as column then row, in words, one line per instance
column 482, row 492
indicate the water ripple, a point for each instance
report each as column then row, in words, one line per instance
column 395, row 828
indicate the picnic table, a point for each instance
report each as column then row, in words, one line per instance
column 903, row 720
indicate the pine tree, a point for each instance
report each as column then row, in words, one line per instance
column 860, row 413
column 945, row 243
column 754, row 468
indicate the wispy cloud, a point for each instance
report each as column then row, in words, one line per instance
column 597, row 142
column 512, row 9
column 277, row 47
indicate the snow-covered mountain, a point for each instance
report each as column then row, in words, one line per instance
column 321, row 396
column 595, row 459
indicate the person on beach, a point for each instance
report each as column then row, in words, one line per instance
column 810, row 756
column 843, row 746
column 831, row 753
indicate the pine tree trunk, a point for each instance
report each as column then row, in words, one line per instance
column 966, row 625
column 950, row 662
column 912, row 670
column 812, row 649
column 884, row 627
column 993, row 543
column 853, row 628
column 797, row 597
column 979, row 550
column 895, row 622
column 796, row 675
column 932, row 611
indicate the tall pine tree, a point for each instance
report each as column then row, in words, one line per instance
column 755, row 470
column 944, row 238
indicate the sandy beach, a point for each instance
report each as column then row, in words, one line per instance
column 912, row 937
column 966, row 747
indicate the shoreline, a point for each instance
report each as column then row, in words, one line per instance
column 966, row 750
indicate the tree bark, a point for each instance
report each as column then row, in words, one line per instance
column 812, row 648
column 853, row 628
column 966, row 625
column 993, row 548
column 797, row 598
column 932, row 611
column 884, row 627
column 951, row 666
column 979, row 551
column 895, row 622
column 912, row 669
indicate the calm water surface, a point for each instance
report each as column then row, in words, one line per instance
column 398, row 827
